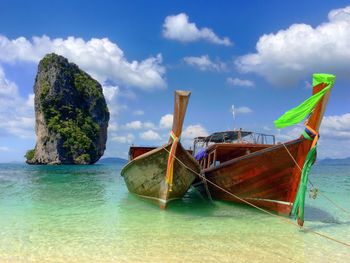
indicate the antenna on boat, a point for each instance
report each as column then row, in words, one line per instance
column 233, row 115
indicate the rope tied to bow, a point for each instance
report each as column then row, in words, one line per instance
column 170, row 165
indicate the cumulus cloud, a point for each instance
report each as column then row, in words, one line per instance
column 129, row 138
column 166, row 121
column 149, row 125
column 289, row 133
column 236, row 82
column 110, row 92
column 192, row 131
column 243, row 109
column 134, row 125
column 101, row 58
column 292, row 54
column 178, row 27
column 113, row 126
column 204, row 63
column 150, row 136
column 137, row 125
column 336, row 127
column 16, row 112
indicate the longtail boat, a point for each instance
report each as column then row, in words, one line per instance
column 242, row 166
column 157, row 173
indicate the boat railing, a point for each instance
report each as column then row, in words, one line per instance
column 240, row 137
column 206, row 153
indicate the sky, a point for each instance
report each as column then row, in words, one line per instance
column 258, row 56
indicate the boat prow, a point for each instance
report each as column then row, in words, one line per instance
column 164, row 173
column 145, row 175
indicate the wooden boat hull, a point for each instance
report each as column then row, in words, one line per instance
column 267, row 178
column 145, row 175
column 270, row 176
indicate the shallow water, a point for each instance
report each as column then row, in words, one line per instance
column 85, row 214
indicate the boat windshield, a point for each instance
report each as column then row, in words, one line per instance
column 238, row 136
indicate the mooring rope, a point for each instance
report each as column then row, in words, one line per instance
column 282, row 219
column 321, row 193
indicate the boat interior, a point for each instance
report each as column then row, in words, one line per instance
column 220, row 147
column 135, row 151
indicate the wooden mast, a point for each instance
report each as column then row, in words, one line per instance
column 180, row 106
column 316, row 117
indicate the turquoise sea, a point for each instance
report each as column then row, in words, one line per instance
column 85, row 214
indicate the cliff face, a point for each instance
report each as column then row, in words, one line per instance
column 71, row 115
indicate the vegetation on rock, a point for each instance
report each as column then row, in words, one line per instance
column 29, row 155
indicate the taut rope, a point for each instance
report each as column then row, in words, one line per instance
column 282, row 219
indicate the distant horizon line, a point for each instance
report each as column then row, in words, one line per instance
column 23, row 162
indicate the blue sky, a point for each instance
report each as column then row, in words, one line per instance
column 258, row 56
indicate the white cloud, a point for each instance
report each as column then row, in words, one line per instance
column 113, row 126
column 101, row 58
column 178, row 27
column 290, row 133
column 138, row 112
column 243, row 109
column 110, row 92
column 166, row 121
column 192, row 131
column 236, row 82
column 30, row 101
column 16, row 112
column 292, row 54
column 134, row 125
column 7, row 88
column 149, row 125
column 137, row 125
column 204, row 63
column 129, row 138
column 150, row 135
column 336, row 127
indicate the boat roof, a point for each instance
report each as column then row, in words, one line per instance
column 224, row 136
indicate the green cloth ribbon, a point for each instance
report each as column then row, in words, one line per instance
column 300, row 112
column 300, row 198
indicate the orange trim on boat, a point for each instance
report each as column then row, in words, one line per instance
column 170, row 166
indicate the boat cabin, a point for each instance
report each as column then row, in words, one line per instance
column 220, row 147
